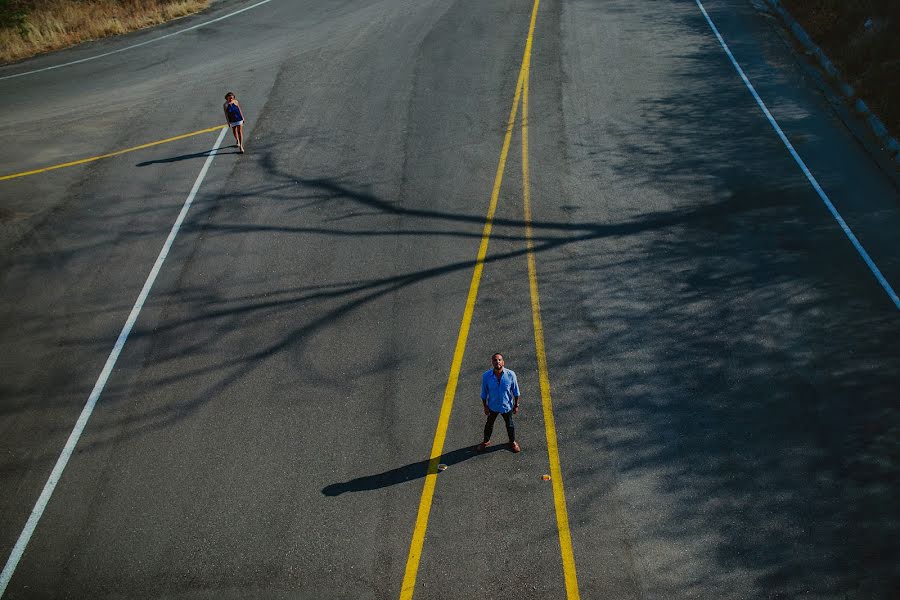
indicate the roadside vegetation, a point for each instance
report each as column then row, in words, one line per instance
column 862, row 39
column 30, row 27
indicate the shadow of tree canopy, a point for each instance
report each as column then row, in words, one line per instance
column 738, row 357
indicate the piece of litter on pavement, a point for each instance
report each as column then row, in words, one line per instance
column 546, row 478
column 442, row 467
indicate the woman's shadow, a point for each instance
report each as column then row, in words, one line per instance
column 173, row 159
column 403, row 474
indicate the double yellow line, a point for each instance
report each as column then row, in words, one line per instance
column 562, row 519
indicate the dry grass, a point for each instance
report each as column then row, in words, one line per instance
column 862, row 38
column 30, row 27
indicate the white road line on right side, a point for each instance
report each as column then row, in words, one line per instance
column 809, row 176
column 63, row 460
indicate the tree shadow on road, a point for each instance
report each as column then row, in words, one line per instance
column 742, row 370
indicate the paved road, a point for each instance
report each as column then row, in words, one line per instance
column 723, row 364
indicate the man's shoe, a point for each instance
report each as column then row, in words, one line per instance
column 483, row 446
column 514, row 446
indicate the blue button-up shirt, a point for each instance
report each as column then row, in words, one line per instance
column 499, row 394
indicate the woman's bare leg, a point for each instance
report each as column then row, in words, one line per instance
column 234, row 131
column 239, row 134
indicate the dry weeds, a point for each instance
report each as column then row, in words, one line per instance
column 37, row 26
column 862, row 38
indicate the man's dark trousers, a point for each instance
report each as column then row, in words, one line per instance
column 507, row 418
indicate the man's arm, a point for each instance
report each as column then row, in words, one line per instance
column 515, row 393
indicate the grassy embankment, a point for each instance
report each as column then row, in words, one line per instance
column 862, row 39
column 30, row 27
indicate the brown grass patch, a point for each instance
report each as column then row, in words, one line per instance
column 30, row 27
column 862, row 38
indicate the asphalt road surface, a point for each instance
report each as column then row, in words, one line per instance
column 724, row 365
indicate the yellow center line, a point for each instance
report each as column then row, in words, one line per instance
column 418, row 539
column 559, row 495
column 116, row 153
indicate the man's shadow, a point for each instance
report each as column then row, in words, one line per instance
column 406, row 473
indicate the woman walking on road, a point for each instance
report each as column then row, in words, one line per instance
column 235, row 119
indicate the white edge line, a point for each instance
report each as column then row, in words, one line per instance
column 162, row 37
column 809, row 176
column 38, row 510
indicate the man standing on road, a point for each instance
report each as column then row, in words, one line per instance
column 500, row 396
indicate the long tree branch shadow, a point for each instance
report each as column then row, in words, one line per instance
column 410, row 472
column 377, row 288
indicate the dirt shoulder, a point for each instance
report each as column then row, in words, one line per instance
column 862, row 38
column 31, row 27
